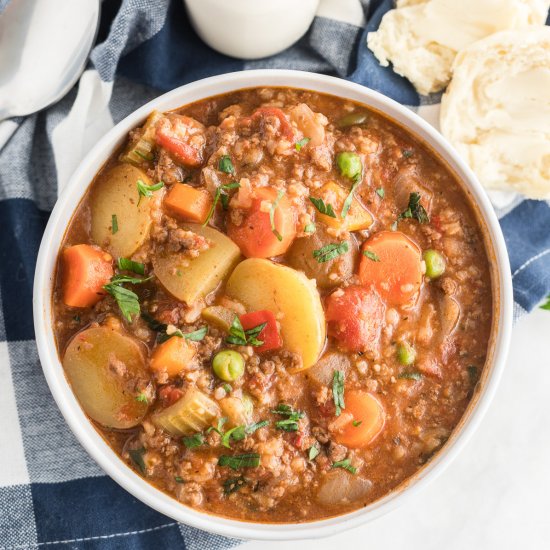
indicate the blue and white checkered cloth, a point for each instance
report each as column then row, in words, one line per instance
column 51, row 492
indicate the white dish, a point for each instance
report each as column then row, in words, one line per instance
column 251, row 29
column 90, row 438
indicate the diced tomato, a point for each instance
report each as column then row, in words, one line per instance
column 269, row 335
column 355, row 318
column 182, row 151
column 298, row 440
column 285, row 126
column 169, row 395
column 174, row 132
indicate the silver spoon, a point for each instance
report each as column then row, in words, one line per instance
column 44, row 46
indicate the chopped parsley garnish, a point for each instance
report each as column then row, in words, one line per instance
column 178, row 479
column 114, row 224
column 290, row 424
column 346, row 465
column 357, row 423
column 235, row 462
column 349, row 198
column 407, row 153
column 145, row 190
column 313, row 452
column 272, row 215
column 195, row 336
column 227, row 388
column 472, row 374
column 310, row 228
column 301, row 143
column 125, row 264
column 371, row 255
column 410, row 375
column 193, row 441
column 142, row 398
column 330, row 251
column 225, row 165
column 127, row 301
column 220, row 196
column 219, row 428
column 240, row 337
column 240, row 432
column 415, row 210
column 380, row 192
column 338, row 391
column 323, row 208
column 233, row 484
column 546, row 305
column 137, row 456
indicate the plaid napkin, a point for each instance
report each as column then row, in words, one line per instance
column 51, row 493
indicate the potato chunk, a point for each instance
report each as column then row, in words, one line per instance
column 189, row 279
column 291, row 296
column 115, row 197
column 106, row 369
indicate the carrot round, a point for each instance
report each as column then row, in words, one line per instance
column 189, row 203
column 255, row 235
column 393, row 264
column 86, row 269
column 172, row 356
column 366, row 419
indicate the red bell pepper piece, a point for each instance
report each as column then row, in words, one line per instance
column 187, row 155
column 285, row 126
column 269, row 335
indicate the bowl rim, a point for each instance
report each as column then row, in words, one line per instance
column 91, row 440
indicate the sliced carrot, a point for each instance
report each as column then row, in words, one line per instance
column 255, row 236
column 172, row 356
column 393, row 264
column 189, row 203
column 366, row 419
column 357, row 217
column 86, row 269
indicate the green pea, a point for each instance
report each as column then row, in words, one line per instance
column 406, row 354
column 352, row 119
column 228, row 365
column 435, row 264
column 349, row 164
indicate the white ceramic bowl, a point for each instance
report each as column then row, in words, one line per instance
column 251, row 29
column 90, row 438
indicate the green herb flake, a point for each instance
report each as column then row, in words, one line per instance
column 287, row 425
column 346, row 465
column 330, row 251
column 310, row 228
column 301, row 143
column 357, row 423
column 220, row 196
column 349, row 198
column 145, row 190
column 237, row 434
column 127, row 300
column 225, row 165
column 137, row 457
column 371, row 255
column 410, row 375
column 114, row 224
column 219, row 428
column 196, row 335
column 142, row 398
column 235, row 462
column 227, row 387
column 338, row 391
column 233, row 484
column 179, row 479
column 546, row 305
column 380, row 192
column 240, row 337
column 125, row 264
column 254, row 427
column 313, row 452
column 272, row 215
column 193, row 441
column 290, row 424
column 414, row 210
column 407, row 153
column 323, row 208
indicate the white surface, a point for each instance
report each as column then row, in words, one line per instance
column 251, row 29
column 66, row 400
column 495, row 495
